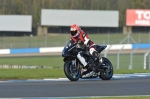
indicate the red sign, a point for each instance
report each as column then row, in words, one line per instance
column 137, row 17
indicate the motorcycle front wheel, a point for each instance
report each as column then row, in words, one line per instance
column 71, row 70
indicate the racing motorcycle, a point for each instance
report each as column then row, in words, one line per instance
column 73, row 67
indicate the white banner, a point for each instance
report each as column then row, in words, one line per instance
column 89, row 18
column 16, row 23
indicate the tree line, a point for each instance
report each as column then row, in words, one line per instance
column 33, row 7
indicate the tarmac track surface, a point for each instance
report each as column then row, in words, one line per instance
column 113, row 87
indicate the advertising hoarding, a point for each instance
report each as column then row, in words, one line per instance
column 89, row 18
column 16, row 23
column 137, row 17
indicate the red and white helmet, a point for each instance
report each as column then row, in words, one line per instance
column 75, row 30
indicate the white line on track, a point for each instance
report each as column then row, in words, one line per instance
column 115, row 76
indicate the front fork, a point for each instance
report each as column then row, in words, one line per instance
column 76, row 65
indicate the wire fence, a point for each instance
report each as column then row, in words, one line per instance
column 129, row 60
column 61, row 40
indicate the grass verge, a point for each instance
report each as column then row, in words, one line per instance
column 42, row 73
column 30, row 73
column 57, row 63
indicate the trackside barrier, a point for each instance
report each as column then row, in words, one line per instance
column 26, row 50
column 59, row 49
column 4, row 51
column 141, row 46
column 51, row 49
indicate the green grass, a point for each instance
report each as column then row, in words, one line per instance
column 57, row 61
column 62, row 39
column 31, row 73
column 51, row 61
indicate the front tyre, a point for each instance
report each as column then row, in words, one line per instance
column 107, row 73
column 71, row 70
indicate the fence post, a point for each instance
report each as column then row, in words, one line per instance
column 108, row 38
column 4, row 42
column 45, row 40
column 118, row 57
column 145, row 55
column 149, row 61
column 131, row 57
column 106, row 51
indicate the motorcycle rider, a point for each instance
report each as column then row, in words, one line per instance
column 80, row 37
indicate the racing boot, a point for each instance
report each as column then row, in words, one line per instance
column 97, row 58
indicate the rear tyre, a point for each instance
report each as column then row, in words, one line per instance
column 71, row 70
column 106, row 74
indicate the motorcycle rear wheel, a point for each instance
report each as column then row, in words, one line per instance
column 106, row 74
